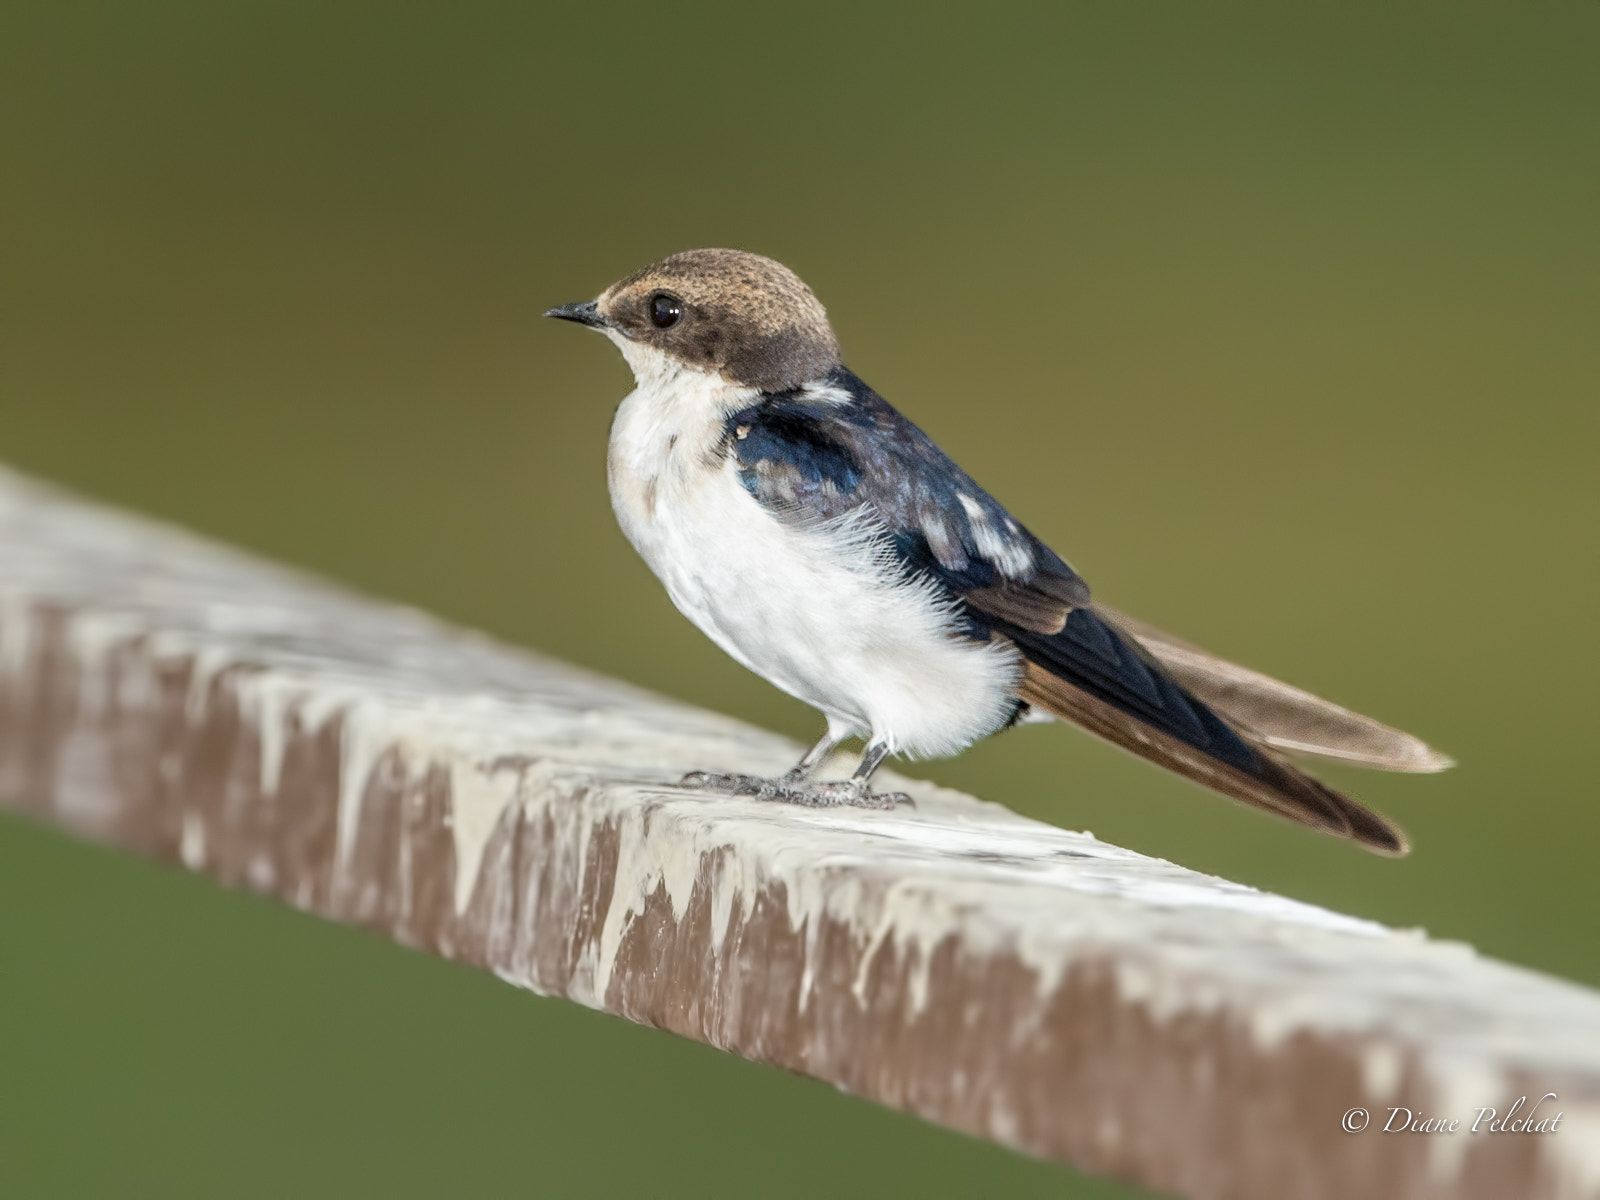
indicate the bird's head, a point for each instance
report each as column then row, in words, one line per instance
column 745, row 318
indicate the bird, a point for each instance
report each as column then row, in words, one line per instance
column 826, row 543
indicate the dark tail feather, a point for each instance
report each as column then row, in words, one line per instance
column 1261, row 779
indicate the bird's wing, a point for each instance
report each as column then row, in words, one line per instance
column 1271, row 712
column 823, row 452
column 827, row 451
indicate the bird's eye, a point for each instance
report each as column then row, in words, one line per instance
column 664, row 310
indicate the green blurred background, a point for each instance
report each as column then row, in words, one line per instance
column 1280, row 325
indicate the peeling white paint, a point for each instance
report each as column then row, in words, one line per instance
column 478, row 798
column 192, row 842
column 1382, row 1066
column 16, row 633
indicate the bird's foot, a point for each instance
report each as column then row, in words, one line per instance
column 790, row 790
column 731, row 785
column 846, row 792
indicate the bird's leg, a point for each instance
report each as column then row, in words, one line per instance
column 871, row 759
column 814, row 758
column 755, row 785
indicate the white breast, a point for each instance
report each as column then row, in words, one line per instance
column 820, row 611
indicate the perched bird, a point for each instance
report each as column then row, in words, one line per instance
column 825, row 542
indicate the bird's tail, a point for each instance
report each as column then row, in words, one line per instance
column 1093, row 675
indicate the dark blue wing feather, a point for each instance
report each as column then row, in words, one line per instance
column 822, row 451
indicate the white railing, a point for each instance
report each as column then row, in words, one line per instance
column 1006, row 978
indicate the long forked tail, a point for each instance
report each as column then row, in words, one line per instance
column 1271, row 713
column 1094, row 676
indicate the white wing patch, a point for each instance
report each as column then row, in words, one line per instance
column 1012, row 558
column 824, row 393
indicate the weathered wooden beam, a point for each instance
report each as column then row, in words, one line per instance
column 1002, row 977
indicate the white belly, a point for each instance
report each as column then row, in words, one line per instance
column 811, row 609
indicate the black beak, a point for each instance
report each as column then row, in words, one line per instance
column 587, row 313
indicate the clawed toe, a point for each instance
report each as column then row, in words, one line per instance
column 733, row 785
column 852, row 795
column 847, row 793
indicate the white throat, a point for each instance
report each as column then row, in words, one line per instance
column 665, row 433
column 663, row 375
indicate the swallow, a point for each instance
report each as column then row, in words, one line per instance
column 826, row 543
